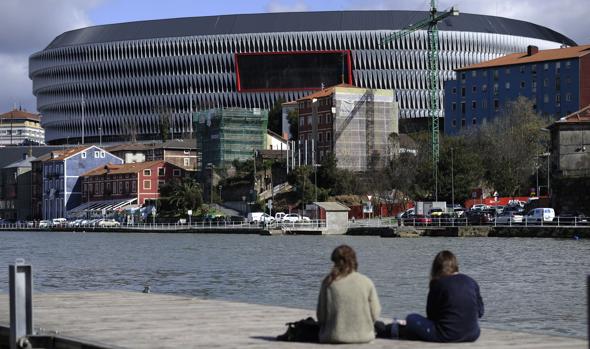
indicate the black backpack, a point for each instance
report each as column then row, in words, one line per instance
column 306, row 330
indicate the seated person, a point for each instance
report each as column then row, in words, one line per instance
column 453, row 308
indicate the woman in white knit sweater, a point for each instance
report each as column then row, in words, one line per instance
column 348, row 304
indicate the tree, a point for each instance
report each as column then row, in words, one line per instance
column 183, row 195
column 510, row 144
column 164, row 116
column 293, row 118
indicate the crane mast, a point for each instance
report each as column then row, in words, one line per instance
column 430, row 24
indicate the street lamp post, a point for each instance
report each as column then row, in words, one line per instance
column 100, row 131
column 83, row 122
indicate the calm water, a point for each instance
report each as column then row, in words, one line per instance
column 535, row 285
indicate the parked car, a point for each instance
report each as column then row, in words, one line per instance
column 509, row 217
column 479, row 207
column 540, row 215
column 279, row 216
column 45, row 224
column 305, row 219
column 479, row 217
column 572, row 218
column 292, row 218
column 418, row 219
column 59, row 222
column 108, row 223
column 405, row 214
column 435, row 212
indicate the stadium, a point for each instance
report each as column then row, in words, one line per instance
column 121, row 80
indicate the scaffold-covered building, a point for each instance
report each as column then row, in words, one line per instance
column 125, row 74
column 228, row 134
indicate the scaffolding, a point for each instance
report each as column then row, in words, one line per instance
column 363, row 122
column 228, row 134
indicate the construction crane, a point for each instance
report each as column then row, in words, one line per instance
column 431, row 24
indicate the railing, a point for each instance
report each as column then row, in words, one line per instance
column 462, row 221
column 199, row 225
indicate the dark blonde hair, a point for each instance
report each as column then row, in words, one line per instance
column 344, row 259
column 444, row 264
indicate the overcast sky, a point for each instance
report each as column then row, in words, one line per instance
column 27, row 26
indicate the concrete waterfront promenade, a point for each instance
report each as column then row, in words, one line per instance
column 136, row 320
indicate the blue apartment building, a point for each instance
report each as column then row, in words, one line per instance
column 61, row 172
column 556, row 81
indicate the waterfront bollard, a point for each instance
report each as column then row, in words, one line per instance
column 20, row 282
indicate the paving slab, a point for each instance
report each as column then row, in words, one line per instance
column 137, row 320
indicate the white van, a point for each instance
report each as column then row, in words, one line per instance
column 541, row 214
column 260, row 217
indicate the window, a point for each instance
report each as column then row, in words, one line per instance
column 308, row 120
column 186, row 151
column 186, row 162
column 474, row 121
column 161, row 171
column 462, row 91
column 484, row 104
column 568, row 97
column 557, row 83
column 83, row 155
column 484, row 88
column 454, row 123
column 507, row 71
column 558, row 98
column 496, row 105
column 496, row 88
column 102, row 154
column 454, row 90
column 147, row 172
column 133, row 186
column 126, row 186
column 462, row 107
column 545, row 82
column 453, row 106
column 474, row 89
column 176, row 172
column 147, row 184
column 568, row 80
column 557, row 67
column 507, row 85
column 534, row 86
column 568, row 64
column 473, row 105
column 320, row 138
column 462, row 76
column 96, row 154
column 302, row 121
column 522, row 69
column 546, row 66
column 496, row 74
column 522, row 84
column 533, row 68
column 328, row 136
column 463, row 123
column 474, row 73
column 485, row 73
column 546, row 98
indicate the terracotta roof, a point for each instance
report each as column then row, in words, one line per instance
column 325, row 92
column 581, row 116
column 541, row 56
column 20, row 114
column 122, row 168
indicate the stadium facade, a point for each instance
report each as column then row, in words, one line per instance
column 126, row 78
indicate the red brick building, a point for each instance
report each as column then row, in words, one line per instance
column 139, row 181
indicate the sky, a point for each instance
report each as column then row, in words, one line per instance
column 28, row 26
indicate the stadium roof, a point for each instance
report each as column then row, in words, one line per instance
column 298, row 22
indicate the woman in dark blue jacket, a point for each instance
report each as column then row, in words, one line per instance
column 453, row 308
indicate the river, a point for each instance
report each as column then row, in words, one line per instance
column 533, row 285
